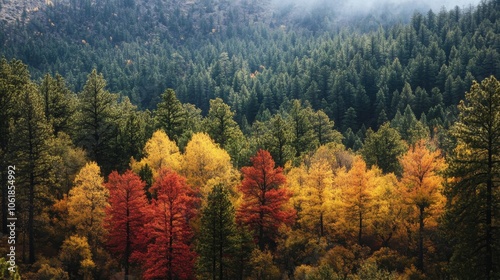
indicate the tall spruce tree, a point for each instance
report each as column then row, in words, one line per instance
column 217, row 239
column 30, row 152
column 97, row 120
column 14, row 79
column 474, row 196
column 170, row 115
column 59, row 103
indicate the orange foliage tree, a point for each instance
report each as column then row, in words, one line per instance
column 421, row 185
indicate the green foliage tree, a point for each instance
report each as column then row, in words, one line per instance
column 14, row 80
column 216, row 244
column 33, row 166
column 59, row 103
column 473, row 194
column 382, row 148
column 170, row 114
column 97, row 120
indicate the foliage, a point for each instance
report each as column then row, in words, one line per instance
column 124, row 216
column 167, row 233
column 216, row 244
column 264, row 208
column 473, row 192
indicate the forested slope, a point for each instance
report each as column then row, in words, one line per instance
column 239, row 140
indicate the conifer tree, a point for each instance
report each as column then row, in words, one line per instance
column 217, row 235
column 97, row 120
column 171, row 115
column 474, row 195
column 30, row 150
column 59, row 103
column 14, row 80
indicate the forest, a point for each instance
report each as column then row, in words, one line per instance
column 216, row 139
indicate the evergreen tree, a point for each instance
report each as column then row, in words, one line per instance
column 59, row 103
column 14, row 80
column 30, row 150
column 382, row 148
column 171, row 115
column 217, row 239
column 97, row 120
column 473, row 194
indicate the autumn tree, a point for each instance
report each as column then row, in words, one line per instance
column 87, row 202
column 421, row 187
column 263, row 208
column 473, row 194
column 76, row 257
column 124, row 216
column 167, row 235
column 217, row 235
column 205, row 164
column 357, row 185
column 317, row 197
column 159, row 152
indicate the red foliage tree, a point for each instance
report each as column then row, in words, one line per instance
column 264, row 207
column 124, row 217
column 168, row 233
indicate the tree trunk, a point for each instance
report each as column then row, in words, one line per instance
column 420, row 263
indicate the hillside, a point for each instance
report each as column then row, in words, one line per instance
column 218, row 139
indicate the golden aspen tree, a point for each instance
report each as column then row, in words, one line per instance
column 160, row 152
column 87, row 202
column 317, row 197
column 205, row 164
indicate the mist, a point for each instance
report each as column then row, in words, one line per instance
column 360, row 7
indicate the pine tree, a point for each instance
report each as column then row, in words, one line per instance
column 14, row 80
column 32, row 158
column 474, row 196
column 382, row 148
column 217, row 237
column 59, row 103
column 97, row 120
column 171, row 115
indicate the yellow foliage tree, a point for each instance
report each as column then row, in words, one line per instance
column 76, row 257
column 421, row 187
column 317, row 197
column 205, row 164
column 387, row 208
column 87, row 202
column 160, row 152
column 357, row 186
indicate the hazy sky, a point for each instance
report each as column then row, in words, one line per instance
column 367, row 5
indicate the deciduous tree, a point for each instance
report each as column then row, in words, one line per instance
column 87, row 202
column 264, row 207
column 421, row 187
column 124, row 216
column 167, row 235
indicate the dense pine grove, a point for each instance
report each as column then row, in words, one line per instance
column 216, row 139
